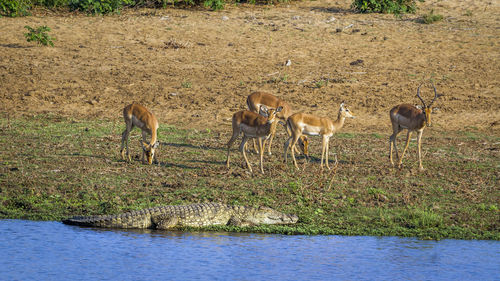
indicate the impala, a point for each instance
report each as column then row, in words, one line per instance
column 303, row 123
column 411, row 118
column 257, row 99
column 137, row 115
column 253, row 125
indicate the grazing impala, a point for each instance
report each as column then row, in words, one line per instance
column 303, row 123
column 252, row 125
column 257, row 99
column 137, row 115
column 411, row 118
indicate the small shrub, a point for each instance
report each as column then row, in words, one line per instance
column 186, row 84
column 52, row 3
column 320, row 83
column 15, row 8
column 431, row 17
column 386, row 6
column 39, row 35
column 99, row 6
column 214, row 4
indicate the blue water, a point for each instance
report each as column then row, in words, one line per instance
column 33, row 250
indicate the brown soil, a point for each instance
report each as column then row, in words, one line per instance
column 194, row 67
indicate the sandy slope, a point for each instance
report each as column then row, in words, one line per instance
column 195, row 67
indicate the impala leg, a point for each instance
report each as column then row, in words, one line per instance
column 270, row 142
column 285, row 149
column 326, row 152
column 125, row 136
column 273, row 132
column 261, row 152
column 294, row 142
column 124, row 140
column 242, row 149
column 419, row 142
column 305, row 144
column 300, row 145
column 391, row 144
column 287, row 143
column 323, row 148
column 230, row 143
column 392, row 141
column 300, row 140
column 144, row 138
column 255, row 148
column 408, row 136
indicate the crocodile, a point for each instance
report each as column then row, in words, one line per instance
column 193, row 215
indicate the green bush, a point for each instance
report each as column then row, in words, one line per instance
column 214, row 4
column 52, row 3
column 386, row 6
column 39, row 35
column 152, row 3
column 14, row 8
column 99, row 6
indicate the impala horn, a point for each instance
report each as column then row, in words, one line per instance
column 418, row 95
column 435, row 95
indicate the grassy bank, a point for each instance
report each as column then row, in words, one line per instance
column 53, row 167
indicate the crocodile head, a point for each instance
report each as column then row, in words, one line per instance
column 265, row 215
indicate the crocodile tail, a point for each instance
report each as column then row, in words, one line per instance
column 134, row 219
column 83, row 221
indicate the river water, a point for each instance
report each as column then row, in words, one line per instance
column 39, row 250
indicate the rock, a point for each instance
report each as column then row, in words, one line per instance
column 331, row 19
column 357, row 62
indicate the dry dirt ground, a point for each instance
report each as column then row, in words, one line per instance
column 194, row 68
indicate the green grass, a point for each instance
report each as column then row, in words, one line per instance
column 186, row 84
column 53, row 167
column 431, row 17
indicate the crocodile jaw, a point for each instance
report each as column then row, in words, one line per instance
column 266, row 215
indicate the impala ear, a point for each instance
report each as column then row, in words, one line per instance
column 264, row 111
column 156, row 144
column 342, row 104
column 144, row 145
